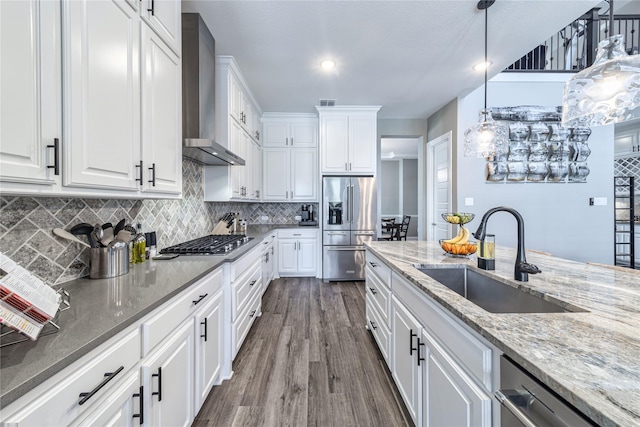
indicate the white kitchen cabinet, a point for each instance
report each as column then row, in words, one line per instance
column 30, row 80
column 297, row 252
column 161, row 113
column 256, row 192
column 208, row 348
column 290, row 174
column 122, row 407
column 167, row 376
column 449, row 395
column 101, row 103
column 58, row 403
column 165, row 18
column 348, row 140
column 405, row 346
column 268, row 261
column 627, row 140
column 290, row 130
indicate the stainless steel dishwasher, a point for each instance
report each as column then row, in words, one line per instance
column 527, row 402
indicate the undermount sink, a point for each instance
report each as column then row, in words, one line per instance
column 490, row 294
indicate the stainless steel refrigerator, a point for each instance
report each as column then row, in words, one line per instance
column 349, row 220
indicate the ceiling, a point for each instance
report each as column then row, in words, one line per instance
column 410, row 57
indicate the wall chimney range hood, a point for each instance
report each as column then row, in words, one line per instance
column 198, row 96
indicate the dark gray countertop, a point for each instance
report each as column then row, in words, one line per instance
column 100, row 308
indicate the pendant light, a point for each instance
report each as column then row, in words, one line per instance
column 487, row 138
column 608, row 91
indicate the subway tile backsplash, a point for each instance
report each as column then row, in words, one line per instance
column 26, row 223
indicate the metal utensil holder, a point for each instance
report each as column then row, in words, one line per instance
column 10, row 336
column 109, row 262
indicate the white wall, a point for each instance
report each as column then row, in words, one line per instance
column 558, row 218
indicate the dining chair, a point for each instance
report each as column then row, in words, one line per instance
column 403, row 228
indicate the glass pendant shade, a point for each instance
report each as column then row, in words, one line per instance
column 607, row 92
column 487, row 138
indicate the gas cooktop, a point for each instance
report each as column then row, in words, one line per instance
column 216, row 244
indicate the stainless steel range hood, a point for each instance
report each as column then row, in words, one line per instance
column 198, row 96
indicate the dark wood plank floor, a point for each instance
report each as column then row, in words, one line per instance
column 308, row 361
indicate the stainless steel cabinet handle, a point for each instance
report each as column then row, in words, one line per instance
column 364, row 233
column 335, row 233
column 521, row 416
column 56, row 156
column 108, row 377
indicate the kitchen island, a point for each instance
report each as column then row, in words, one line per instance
column 590, row 358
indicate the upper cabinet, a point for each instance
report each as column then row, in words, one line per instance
column 30, row 106
column 348, row 140
column 121, row 106
column 237, row 129
column 627, row 140
column 296, row 130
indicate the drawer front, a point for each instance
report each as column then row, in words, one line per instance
column 240, row 328
column 60, row 403
column 169, row 316
column 378, row 267
column 460, row 343
column 295, row 233
column 380, row 295
column 243, row 264
column 378, row 328
column 245, row 287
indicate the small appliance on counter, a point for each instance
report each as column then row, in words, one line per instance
column 308, row 216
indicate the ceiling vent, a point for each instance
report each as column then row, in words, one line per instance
column 327, row 102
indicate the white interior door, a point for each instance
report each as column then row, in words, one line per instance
column 439, row 194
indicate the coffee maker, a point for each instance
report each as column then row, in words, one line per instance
column 308, row 216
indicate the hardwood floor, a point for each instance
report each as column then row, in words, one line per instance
column 308, row 361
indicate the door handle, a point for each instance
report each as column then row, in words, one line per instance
column 159, row 392
column 411, row 347
column 108, row 377
column 511, row 407
column 204, row 322
column 153, row 175
column 56, row 156
column 140, row 396
column 153, row 13
column 141, row 171
column 420, row 344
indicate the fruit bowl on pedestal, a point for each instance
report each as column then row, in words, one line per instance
column 458, row 217
column 459, row 249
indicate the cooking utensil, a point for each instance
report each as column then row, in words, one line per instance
column 107, row 236
column 123, row 236
column 107, row 225
column 97, row 235
column 84, row 229
column 68, row 236
column 119, row 226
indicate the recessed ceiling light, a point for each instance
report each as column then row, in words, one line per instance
column 328, row 64
column 482, row 66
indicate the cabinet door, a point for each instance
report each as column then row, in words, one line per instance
column 288, row 256
column 304, row 174
column 362, row 143
column 334, row 136
column 235, row 98
column 236, row 172
column 276, row 134
column 208, row 324
column 257, row 173
column 165, row 17
column 120, row 406
column 162, row 115
column 172, row 365
column 30, row 109
column 450, row 397
column 101, row 94
column 404, row 367
column 304, row 134
column 276, row 174
column 307, row 256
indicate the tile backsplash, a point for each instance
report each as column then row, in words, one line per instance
column 26, row 223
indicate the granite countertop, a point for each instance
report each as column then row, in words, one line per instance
column 592, row 359
column 100, row 308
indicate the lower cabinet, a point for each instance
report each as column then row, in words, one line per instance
column 297, row 252
column 208, row 348
column 449, row 395
column 406, row 361
column 444, row 371
column 124, row 406
column 167, row 377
